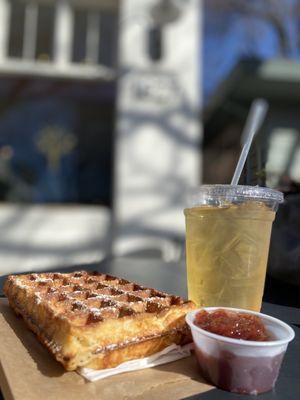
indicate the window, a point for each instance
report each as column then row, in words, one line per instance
column 108, row 39
column 45, row 31
column 16, row 31
column 31, row 30
column 95, row 37
column 92, row 32
column 79, row 37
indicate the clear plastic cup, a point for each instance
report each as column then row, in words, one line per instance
column 241, row 366
column 228, row 231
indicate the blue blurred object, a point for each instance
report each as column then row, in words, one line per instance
column 242, row 29
column 60, row 133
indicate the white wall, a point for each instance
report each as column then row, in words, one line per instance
column 39, row 237
column 158, row 132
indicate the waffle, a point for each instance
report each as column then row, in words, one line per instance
column 93, row 320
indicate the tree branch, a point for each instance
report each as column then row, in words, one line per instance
column 274, row 14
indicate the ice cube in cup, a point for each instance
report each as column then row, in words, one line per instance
column 241, row 366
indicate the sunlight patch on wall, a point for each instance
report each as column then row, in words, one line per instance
column 281, row 148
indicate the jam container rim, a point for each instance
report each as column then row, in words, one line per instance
column 241, row 342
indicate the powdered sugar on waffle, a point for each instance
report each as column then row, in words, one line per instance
column 92, row 297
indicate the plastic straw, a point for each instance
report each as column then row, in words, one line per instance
column 254, row 121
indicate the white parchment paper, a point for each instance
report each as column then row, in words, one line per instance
column 169, row 354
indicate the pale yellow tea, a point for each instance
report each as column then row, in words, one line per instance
column 227, row 251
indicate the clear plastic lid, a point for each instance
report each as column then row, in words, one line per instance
column 217, row 195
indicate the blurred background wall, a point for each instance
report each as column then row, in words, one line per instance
column 102, row 104
column 58, row 76
column 251, row 49
column 157, row 147
column 99, row 128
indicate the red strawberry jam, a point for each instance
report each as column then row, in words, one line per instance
column 231, row 324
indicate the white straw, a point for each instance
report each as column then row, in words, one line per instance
column 254, row 121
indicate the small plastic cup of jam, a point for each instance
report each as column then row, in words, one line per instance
column 238, row 365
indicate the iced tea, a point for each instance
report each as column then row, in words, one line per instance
column 227, row 249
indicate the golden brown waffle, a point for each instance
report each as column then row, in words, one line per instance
column 88, row 319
